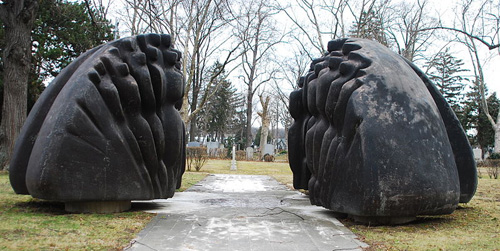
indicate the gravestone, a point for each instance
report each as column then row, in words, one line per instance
column 194, row 144
column 268, row 149
column 249, row 152
column 478, row 154
column 107, row 130
column 372, row 136
column 212, row 148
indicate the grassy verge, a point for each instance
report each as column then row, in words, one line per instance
column 189, row 179
column 473, row 226
column 27, row 224
column 278, row 170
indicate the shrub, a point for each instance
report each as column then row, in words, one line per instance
column 268, row 157
column 196, row 157
column 241, row 155
column 492, row 167
column 494, row 156
column 217, row 153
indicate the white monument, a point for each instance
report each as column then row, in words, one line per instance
column 478, row 154
column 249, row 152
column 233, row 161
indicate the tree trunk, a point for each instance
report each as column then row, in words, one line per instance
column 18, row 17
column 196, row 86
column 266, row 120
column 249, row 114
column 263, row 135
column 496, row 128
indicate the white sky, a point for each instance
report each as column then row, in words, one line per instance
column 445, row 9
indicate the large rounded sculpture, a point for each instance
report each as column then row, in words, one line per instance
column 373, row 138
column 107, row 129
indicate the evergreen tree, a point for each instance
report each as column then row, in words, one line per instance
column 470, row 113
column 444, row 70
column 473, row 117
column 485, row 132
column 220, row 112
column 62, row 31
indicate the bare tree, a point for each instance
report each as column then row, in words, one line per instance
column 370, row 21
column 478, row 22
column 200, row 30
column 483, row 20
column 315, row 23
column 290, row 71
column 406, row 26
column 258, row 35
column 18, row 17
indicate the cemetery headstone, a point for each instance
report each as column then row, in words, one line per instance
column 194, row 144
column 268, row 149
column 249, row 152
column 478, row 154
column 212, row 148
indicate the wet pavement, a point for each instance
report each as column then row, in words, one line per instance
column 241, row 212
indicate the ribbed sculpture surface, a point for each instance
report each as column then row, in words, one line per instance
column 373, row 138
column 107, row 128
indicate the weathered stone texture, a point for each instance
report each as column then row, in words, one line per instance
column 374, row 138
column 107, row 128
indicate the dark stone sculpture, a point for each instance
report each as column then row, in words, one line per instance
column 373, row 138
column 107, row 128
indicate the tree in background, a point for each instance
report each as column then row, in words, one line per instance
column 470, row 113
column 404, row 28
column 478, row 22
column 17, row 17
column 219, row 113
column 370, row 25
column 200, row 30
column 266, row 120
column 444, row 70
column 258, row 35
column 485, row 132
column 61, row 32
column 474, row 120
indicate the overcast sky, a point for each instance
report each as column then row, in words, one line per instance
column 445, row 10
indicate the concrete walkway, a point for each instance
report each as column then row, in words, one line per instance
column 241, row 212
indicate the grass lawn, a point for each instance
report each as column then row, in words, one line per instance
column 27, row 223
column 278, row 170
column 473, row 226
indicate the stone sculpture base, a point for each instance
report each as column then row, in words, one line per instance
column 383, row 220
column 100, row 207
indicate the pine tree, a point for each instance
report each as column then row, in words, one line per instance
column 485, row 132
column 470, row 113
column 474, row 119
column 444, row 70
column 220, row 112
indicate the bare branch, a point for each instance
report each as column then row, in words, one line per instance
column 491, row 46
